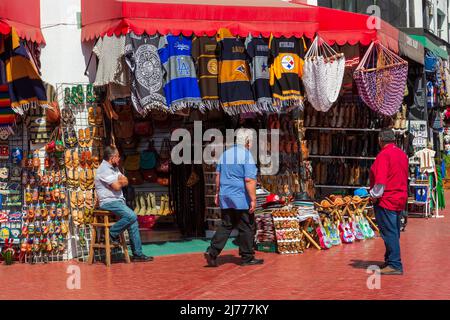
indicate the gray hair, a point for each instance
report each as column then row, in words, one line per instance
column 109, row 152
column 244, row 136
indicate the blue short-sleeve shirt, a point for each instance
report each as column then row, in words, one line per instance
column 235, row 164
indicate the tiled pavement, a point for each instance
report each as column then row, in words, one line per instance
column 339, row 273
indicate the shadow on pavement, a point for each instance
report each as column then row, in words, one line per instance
column 363, row 264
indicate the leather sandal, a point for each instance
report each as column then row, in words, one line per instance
column 81, row 138
column 68, row 159
column 88, row 156
column 98, row 116
column 83, row 180
column 88, row 137
column 91, row 116
column 90, row 179
column 75, row 159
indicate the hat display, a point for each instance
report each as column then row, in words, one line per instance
column 361, row 192
column 272, row 199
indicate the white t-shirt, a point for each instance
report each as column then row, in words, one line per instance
column 426, row 160
column 111, row 66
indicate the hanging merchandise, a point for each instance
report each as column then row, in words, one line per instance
column 258, row 51
column 286, row 71
column 323, row 75
column 205, row 57
column 381, row 79
column 111, row 66
column 234, row 76
column 430, row 62
column 180, row 80
column 7, row 115
column 141, row 53
column 25, row 86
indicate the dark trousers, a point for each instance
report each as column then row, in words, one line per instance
column 245, row 223
column 390, row 224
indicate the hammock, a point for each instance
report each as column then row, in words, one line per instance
column 323, row 73
column 381, row 79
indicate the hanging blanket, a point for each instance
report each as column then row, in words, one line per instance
column 234, row 76
column 258, row 51
column 7, row 115
column 24, row 83
column 141, row 55
column 205, row 57
column 286, row 71
column 180, row 80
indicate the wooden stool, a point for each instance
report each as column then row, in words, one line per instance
column 105, row 219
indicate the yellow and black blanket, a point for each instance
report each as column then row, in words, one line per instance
column 235, row 90
column 24, row 83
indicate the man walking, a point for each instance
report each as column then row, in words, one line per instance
column 236, row 196
column 389, row 192
column 109, row 182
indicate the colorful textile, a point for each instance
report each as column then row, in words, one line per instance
column 180, row 80
column 234, row 76
column 24, row 83
column 141, row 55
column 286, row 71
column 7, row 115
column 204, row 52
column 258, row 51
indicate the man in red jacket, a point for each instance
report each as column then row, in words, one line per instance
column 389, row 192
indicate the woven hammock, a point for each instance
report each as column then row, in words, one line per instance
column 381, row 79
column 323, row 73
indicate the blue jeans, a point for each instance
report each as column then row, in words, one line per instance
column 127, row 221
column 390, row 224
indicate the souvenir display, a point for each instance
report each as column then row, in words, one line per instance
column 288, row 235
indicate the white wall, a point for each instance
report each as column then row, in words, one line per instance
column 312, row 2
column 65, row 57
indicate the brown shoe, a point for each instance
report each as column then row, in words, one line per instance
column 391, row 271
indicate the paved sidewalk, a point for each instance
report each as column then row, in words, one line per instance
column 339, row 273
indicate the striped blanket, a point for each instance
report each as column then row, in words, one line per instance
column 24, row 83
column 7, row 115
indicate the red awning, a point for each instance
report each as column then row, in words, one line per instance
column 258, row 17
column 24, row 16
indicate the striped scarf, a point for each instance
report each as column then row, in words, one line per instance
column 7, row 115
column 24, row 83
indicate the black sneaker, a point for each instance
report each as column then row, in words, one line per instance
column 142, row 258
column 252, row 262
column 212, row 261
column 114, row 241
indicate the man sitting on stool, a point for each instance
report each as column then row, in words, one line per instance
column 109, row 182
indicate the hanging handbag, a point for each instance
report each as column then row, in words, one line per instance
column 53, row 114
column 143, row 129
column 148, row 157
column 132, row 162
column 124, row 126
column 164, row 157
column 163, row 181
column 149, row 175
column 134, row 177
